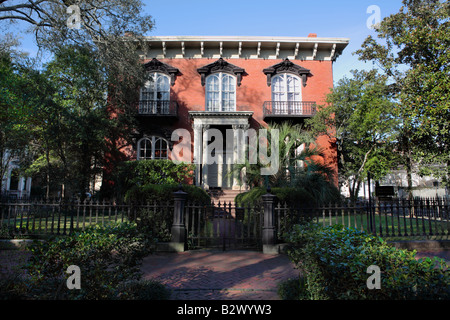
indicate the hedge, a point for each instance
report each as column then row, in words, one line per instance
column 109, row 258
column 335, row 260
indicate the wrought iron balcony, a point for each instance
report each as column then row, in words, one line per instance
column 302, row 109
column 158, row 108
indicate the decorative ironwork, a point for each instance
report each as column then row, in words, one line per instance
column 289, row 108
column 158, row 108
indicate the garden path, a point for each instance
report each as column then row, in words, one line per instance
column 227, row 275
column 220, row 275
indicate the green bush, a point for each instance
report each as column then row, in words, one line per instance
column 107, row 257
column 285, row 194
column 292, row 289
column 6, row 232
column 335, row 261
column 157, row 223
column 164, row 193
column 149, row 172
column 144, row 290
column 13, row 287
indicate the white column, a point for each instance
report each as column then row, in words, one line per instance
column 28, row 185
column 20, row 187
column 241, row 151
column 204, row 155
column 198, row 144
column 236, row 142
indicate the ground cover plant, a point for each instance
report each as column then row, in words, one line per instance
column 334, row 262
column 109, row 258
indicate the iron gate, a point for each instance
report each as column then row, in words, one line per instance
column 223, row 226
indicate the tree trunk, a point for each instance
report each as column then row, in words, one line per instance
column 47, row 175
column 409, row 175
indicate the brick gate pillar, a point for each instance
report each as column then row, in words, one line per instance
column 269, row 231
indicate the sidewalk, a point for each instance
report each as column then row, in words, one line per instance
column 218, row 275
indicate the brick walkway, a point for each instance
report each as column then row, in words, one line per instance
column 217, row 275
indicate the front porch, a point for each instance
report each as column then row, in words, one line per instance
column 219, row 142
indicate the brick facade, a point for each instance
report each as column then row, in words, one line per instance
column 251, row 54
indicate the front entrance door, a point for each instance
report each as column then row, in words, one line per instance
column 213, row 175
column 218, row 173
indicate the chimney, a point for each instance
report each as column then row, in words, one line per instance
column 312, row 35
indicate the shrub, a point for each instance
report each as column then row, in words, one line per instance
column 163, row 193
column 292, row 289
column 157, row 223
column 149, row 172
column 13, row 287
column 107, row 257
column 285, row 194
column 144, row 290
column 6, row 232
column 335, row 261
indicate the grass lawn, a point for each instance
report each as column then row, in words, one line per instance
column 391, row 225
column 58, row 225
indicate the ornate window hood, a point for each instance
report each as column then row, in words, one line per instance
column 157, row 66
column 287, row 67
column 221, row 66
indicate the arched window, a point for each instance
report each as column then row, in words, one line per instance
column 220, row 92
column 144, row 149
column 155, row 95
column 152, row 148
column 286, row 93
column 160, row 149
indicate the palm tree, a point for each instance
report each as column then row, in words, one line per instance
column 299, row 168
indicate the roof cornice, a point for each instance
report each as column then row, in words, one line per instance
column 248, row 39
column 251, row 47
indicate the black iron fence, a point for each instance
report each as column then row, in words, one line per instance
column 207, row 225
column 223, row 224
column 56, row 217
column 398, row 218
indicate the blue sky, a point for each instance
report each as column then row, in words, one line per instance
column 287, row 18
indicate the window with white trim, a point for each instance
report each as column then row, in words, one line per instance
column 155, row 95
column 220, row 92
column 286, row 87
column 153, row 147
column 286, row 93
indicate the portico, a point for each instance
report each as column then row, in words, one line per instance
column 214, row 158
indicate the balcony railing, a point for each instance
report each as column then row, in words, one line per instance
column 158, row 108
column 289, row 109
